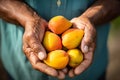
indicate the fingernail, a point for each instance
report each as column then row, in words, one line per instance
column 85, row 49
column 41, row 55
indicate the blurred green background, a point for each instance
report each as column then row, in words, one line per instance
column 115, row 25
column 113, row 71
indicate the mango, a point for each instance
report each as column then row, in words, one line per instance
column 76, row 57
column 51, row 41
column 61, row 42
column 57, row 59
column 59, row 24
column 72, row 38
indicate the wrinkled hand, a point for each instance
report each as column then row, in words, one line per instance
column 33, row 49
column 87, row 44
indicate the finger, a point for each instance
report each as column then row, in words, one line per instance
column 71, row 73
column 61, row 75
column 65, row 70
column 46, row 69
column 42, row 53
column 37, row 47
column 86, row 62
column 36, row 64
column 29, row 54
column 88, row 39
column 76, row 23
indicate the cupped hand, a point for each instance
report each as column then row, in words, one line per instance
column 33, row 49
column 87, row 44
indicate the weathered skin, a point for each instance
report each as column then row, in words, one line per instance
column 17, row 12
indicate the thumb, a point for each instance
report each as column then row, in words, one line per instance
column 88, row 39
column 42, row 53
column 37, row 48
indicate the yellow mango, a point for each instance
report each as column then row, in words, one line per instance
column 59, row 24
column 76, row 57
column 72, row 38
column 57, row 59
column 51, row 41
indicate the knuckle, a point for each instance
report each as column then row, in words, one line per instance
column 35, row 47
column 93, row 30
column 24, row 49
column 27, row 51
column 28, row 35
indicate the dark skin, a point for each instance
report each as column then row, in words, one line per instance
column 17, row 12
